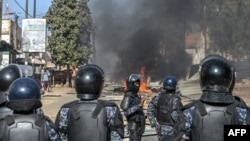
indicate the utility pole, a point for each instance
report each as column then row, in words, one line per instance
column 26, row 9
column 26, row 16
column 34, row 12
column 1, row 9
column 33, row 54
column 94, row 46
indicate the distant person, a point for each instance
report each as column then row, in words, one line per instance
column 205, row 118
column 165, row 110
column 132, row 105
column 45, row 78
column 90, row 118
column 24, row 125
column 73, row 75
column 7, row 75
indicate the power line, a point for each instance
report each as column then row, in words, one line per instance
column 22, row 8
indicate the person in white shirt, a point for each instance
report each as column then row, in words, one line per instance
column 45, row 77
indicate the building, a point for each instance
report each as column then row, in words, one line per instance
column 10, row 44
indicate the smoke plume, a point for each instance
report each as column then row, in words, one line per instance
column 135, row 34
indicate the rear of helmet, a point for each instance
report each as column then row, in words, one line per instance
column 24, row 95
column 89, row 82
column 216, row 74
column 170, row 83
column 7, row 75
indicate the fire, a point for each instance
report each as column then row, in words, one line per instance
column 143, row 83
column 143, row 87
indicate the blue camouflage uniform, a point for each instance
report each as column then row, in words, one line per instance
column 241, row 115
column 134, row 107
column 63, row 121
column 164, row 129
column 134, row 115
column 53, row 133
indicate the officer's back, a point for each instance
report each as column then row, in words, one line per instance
column 205, row 118
column 24, row 98
column 88, row 118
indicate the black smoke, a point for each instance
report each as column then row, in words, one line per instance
column 131, row 34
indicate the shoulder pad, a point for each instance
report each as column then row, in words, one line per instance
column 240, row 102
column 190, row 104
column 69, row 104
column 47, row 118
column 107, row 103
column 129, row 94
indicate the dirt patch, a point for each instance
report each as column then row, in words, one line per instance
column 243, row 90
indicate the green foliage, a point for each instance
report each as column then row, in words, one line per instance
column 70, row 24
column 228, row 24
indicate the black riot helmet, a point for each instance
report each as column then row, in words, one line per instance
column 216, row 74
column 24, row 95
column 133, row 83
column 89, row 82
column 233, row 81
column 170, row 83
column 7, row 75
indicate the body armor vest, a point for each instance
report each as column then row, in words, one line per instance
column 24, row 128
column 4, row 111
column 87, row 121
column 210, row 120
column 136, row 121
column 164, row 109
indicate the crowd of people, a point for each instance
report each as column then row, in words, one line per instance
column 93, row 119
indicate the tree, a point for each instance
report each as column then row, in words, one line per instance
column 228, row 23
column 70, row 24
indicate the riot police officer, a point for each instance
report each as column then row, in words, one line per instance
column 205, row 118
column 164, row 110
column 7, row 75
column 90, row 118
column 132, row 105
column 24, row 98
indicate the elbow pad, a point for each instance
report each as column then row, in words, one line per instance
column 125, row 103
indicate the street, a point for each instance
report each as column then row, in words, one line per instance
column 52, row 101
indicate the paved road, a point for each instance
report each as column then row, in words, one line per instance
column 52, row 101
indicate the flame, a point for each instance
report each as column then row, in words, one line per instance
column 143, row 87
column 143, row 83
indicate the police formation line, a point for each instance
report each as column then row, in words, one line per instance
column 217, row 115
